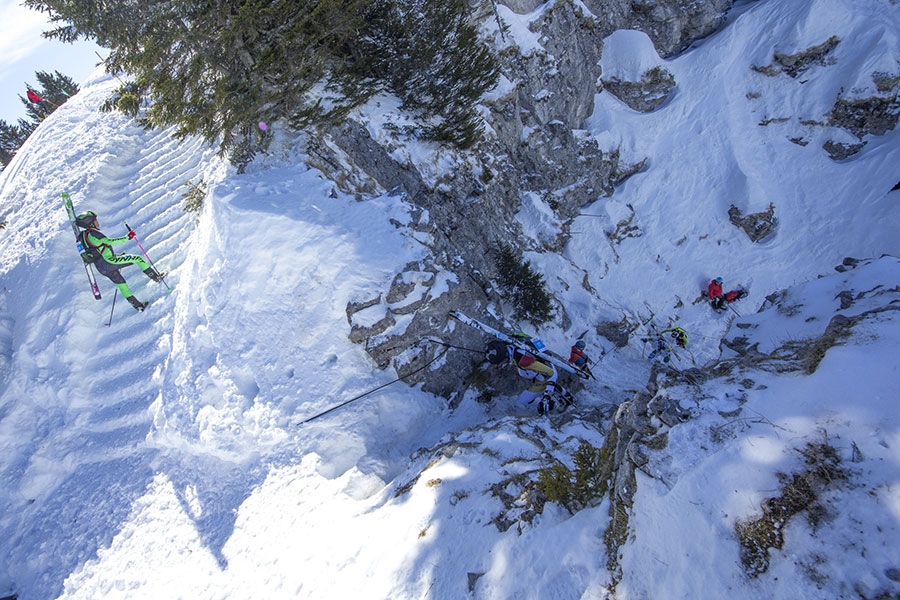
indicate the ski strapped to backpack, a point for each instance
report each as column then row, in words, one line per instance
column 524, row 342
column 84, row 252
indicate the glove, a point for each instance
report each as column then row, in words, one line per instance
column 132, row 234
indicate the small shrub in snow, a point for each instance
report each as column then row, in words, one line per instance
column 578, row 488
column 799, row 492
column 193, row 197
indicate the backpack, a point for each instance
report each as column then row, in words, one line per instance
column 91, row 253
column 734, row 295
column 523, row 360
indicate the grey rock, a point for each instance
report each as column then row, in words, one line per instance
column 757, row 226
column 645, row 95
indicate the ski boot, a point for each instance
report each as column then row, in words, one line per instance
column 546, row 405
column 137, row 304
column 153, row 274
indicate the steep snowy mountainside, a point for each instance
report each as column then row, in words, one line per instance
column 785, row 476
column 728, row 137
column 202, row 393
column 75, row 392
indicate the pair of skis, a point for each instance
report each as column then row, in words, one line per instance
column 70, row 210
column 524, row 342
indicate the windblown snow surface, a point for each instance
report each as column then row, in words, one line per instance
column 166, row 454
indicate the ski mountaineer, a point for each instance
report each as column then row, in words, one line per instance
column 542, row 375
column 577, row 357
column 714, row 291
column 678, row 334
column 38, row 102
column 106, row 260
column 718, row 300
column 663, row 352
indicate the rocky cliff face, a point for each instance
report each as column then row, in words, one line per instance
column 535, row 152
column 534, row 147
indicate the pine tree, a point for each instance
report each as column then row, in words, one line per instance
column 429, row 55
column 55, row 89
column 217, row 68
column 12, row 137
column 213, row 68
column 524, row 287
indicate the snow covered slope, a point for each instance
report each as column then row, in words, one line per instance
column 164, row 456
column 205, row 390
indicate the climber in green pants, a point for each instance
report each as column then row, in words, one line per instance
column 105, row 259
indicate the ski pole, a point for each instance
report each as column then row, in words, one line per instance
column 146, row 255
column 372, row 391
column 116, row 293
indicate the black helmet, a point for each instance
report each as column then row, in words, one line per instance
column 496, row 352
column 86, row 220
column 580, row 344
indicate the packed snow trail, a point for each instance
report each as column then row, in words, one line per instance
column 81, row 457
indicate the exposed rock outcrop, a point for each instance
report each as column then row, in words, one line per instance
column 534, row 148
column 639, row 424
column 795, row 64
column 757, row 226
column 673, row 25
column 645, row 95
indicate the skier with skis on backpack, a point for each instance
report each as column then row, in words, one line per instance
column 577, row 357
column 105, row 258
column 543, row 376
column 663, row 351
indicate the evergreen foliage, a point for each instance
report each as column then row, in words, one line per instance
column 194, row 196
column 428, row 54
column 212, row 68
column 578, row 488
column 523, row 285
column 215, row 69
column 55, row 89
column 11, row 139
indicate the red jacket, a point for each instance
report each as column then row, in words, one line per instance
column 715, row 289
column 32, row 95
column 575, row 356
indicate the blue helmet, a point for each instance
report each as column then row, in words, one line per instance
column 718, row 280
